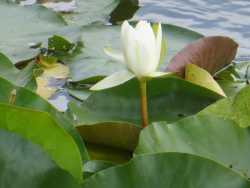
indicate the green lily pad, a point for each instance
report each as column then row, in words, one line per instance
column 236, row 108
column 169, row 99
column 80, row 94
column 234, row 78
column 218, row 139
column 14, row 75
column 112, row 117
column 93, row 64
column 118, row 135
column 94, row 166
column 26, row 98
column 199, row 76
column 243, row 70
column 231, row 88
column 109, row 154
column 41, row 129
column 24, row 27
column 167, row 170
column 87, row 12
column 24, row 164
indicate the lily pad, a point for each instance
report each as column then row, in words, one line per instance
column 80, row 94
column 236, row 108
column 53, row 139
column 94, row 166
column 233, row 78
column 243, row 70
column 201, row 77
column 167, row 170
column 218, row 139
column 30, row 165
column 26, row 98
column 231, row 88
column 170, row 99
column 236, row 72
column 87, row 12
column 109, row 154
column 210, row 53
column 14, row 75
column 93, row 64
column 24, row 27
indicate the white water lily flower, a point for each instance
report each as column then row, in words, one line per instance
column 141, row 54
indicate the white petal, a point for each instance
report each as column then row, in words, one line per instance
column 113, row 80
column 160, row 74
column 159, row 42
column 130, row 48
column 147, row 46
column 125, row 30
column 140, row 48
column 125, row 26
column 146, row 33
column 145, row 59
column 115, row 55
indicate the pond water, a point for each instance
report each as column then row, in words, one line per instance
column 210, row 17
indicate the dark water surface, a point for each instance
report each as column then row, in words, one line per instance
column 210, row 17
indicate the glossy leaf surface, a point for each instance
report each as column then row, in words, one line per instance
column 167, row 170
column 24, row 164
column 41, row 129
column 218, row 139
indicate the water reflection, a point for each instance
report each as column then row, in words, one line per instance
column 210, row 17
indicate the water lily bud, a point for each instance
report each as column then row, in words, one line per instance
column 141, row 48
column 141, row 54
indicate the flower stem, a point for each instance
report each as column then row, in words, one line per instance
column 144, row 103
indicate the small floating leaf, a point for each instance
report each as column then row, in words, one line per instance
column 201, row 77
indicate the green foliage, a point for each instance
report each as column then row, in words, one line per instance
column 163, row 170
column 88, row 12
column 19, row 77
column 234, row 77
column 92, row 167
column 25, row 26
column 195, row 138
column 236, row 108
column 25, row 164
column 170, row 99
column 58, row 144
column 25, row 98
column 218, row 139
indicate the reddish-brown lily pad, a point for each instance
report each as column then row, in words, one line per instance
column 210, row 53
